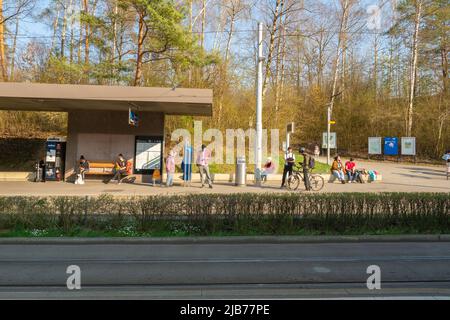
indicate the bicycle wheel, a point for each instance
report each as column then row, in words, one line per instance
column 317, row 182
column 293, row 182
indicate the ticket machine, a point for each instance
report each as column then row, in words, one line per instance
column 55, row 158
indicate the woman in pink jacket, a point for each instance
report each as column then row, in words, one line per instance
column 170, row 169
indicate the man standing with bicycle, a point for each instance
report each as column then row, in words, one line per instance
column 307, row 162
column 289, row 161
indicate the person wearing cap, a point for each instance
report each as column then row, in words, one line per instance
column 269, row 168
column 203, row 157
column 305, row 166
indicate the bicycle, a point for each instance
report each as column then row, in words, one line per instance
column 316, row 181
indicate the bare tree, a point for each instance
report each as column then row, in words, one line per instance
column 418, row 4
column 9, row 10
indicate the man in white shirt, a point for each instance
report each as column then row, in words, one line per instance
column 203, row 157
column 289, row 160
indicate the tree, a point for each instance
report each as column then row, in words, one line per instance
column 161, row 35
column 8, row 11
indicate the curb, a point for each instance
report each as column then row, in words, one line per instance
column 229, row 240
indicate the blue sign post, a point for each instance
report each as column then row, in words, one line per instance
column 390, row 146
column 187, row 164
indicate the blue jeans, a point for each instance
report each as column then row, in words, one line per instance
column 339, row 175
column 352, row 176
column 169, row 181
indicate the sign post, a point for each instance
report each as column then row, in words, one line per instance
column 374, row 146
column 329, row 140
column 408, row 145
column 391, row 146
column 328, row 136
column 289, row 131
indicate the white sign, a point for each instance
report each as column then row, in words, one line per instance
column 408, row 146
column 374, row 145
column 332, row 140
column 148, row 155
column 290, row 128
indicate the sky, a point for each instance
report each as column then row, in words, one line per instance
column 243, row 44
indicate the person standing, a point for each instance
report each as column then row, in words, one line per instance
column 306, row 167
column 203, row 157
column 446, row 157
column 289, row 160
column 170, row 169
column 316, row 152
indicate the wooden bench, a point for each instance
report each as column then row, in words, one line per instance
column 103, row 168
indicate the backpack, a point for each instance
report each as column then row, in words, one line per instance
column 312, row 163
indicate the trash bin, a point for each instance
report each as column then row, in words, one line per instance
column 241, row 172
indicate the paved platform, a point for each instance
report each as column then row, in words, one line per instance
column 397, row 177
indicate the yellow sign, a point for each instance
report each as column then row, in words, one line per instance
column 332, row 122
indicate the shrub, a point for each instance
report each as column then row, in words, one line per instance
column 232, row 213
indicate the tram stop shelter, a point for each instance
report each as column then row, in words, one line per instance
column 98, row 118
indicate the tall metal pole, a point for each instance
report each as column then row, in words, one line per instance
column 328, row 132
column 259, row 105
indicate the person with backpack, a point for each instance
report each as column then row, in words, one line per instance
column 308, row 163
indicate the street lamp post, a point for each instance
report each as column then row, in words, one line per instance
column 259, row 105
column 328, row 132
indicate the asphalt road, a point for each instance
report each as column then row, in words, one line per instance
column 316, row 270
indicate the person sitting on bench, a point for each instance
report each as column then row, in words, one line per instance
column 268, row 168
column 83, row 167
column 120, row 168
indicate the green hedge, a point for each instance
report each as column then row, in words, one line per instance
column 232, row 213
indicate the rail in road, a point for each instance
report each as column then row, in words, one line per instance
column 167, row 270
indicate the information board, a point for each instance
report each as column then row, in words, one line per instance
column 332, row 140
column 408, row 146
column 391, row 146
column 374, row 146
column 148, row 155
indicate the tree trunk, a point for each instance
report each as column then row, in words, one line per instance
column 444, row 63
column 55, row 28
column 336, row 58
column 202, row 39
column 2, row 45
column 13, row 53
column 412, row 88
column 64, row 27
column 140, row 49
column 276, row 16
column 86, row 33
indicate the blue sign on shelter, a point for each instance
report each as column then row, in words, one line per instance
column 390, row 146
